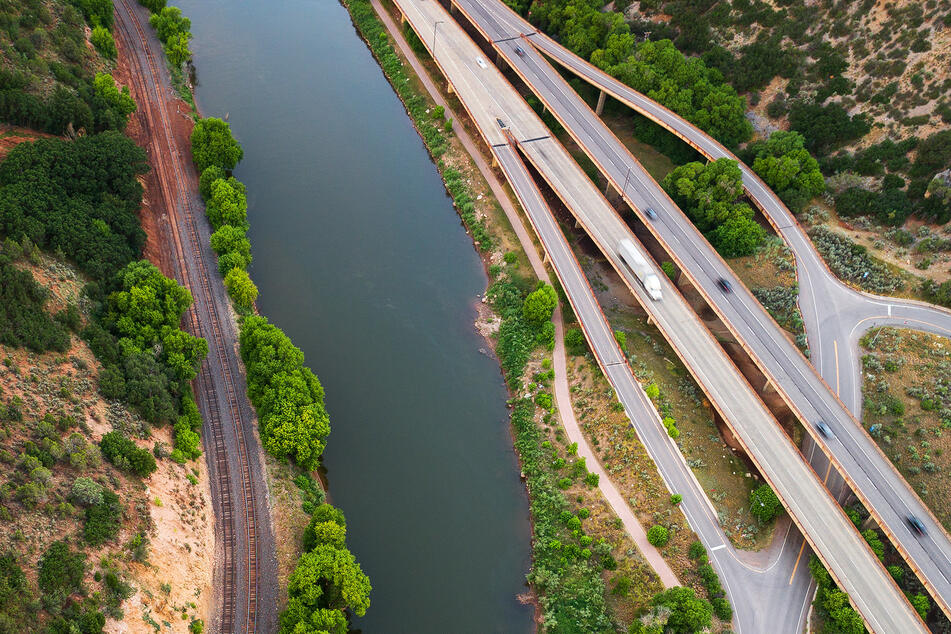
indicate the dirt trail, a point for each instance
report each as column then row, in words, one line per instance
column 559, row 362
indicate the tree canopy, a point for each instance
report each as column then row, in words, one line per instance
column 540, row 304
column 212, row 144
column 784, row 163
column 287, row 395
column 327, row 579
column 79, row 197
column 710, row 193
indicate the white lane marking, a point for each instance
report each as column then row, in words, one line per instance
column 718, row 547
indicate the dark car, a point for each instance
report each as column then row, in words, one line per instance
column 651, row 213
column 824, row 429
column 501, row 123
column 519, row 51
column 915, row 525
column 725, row 285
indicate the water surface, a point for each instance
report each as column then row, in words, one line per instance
column 361, row 259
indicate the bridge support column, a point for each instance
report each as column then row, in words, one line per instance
column 449, row 88
column 495, row 161
column 545, row 259
column 577, row 224
column 600, row 107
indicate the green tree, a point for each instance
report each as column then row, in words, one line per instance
column 212, row 144
column 168, row 22
column 240, row 287
column 764, row 504
column 228, row 204
column 921, row 604
column 540, row 304
column 785, row 164
column 874, row 542
column 738, row 237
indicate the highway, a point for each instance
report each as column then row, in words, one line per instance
column 855, row 454
column 489, row 99
column 843, row 311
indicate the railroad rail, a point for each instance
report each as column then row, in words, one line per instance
column 206, row 324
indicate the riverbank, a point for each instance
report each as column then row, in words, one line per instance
column 634, row 583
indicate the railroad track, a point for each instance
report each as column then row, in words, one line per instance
column 173, row 181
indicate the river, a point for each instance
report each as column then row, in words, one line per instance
column 361, row 259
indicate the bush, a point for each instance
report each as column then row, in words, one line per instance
column 676, row 499
column 575, row 343
column 658, row 535
column 126, row 455
column 61, row 573
column 764, row 504
column 722, row 609
column 101, row 38
column 697, row 552
column 103, row 519
column 86, row 492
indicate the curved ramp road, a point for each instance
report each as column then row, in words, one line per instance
column 867, row 470
column 504, row 118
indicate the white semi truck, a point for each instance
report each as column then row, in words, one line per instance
column 638, row 264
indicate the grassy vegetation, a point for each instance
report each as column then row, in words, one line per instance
column 907, row 408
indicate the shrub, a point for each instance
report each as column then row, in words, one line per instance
column 61, row 572
column 101, row 38
column 658, row 535
column 722, row 609
column 764, row 504
column 103, row 519
column 126, row 455
column 676, row 499
column 575, row 343
column 86, row 492
column 697, row 552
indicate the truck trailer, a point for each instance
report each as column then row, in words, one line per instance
column 642, row 270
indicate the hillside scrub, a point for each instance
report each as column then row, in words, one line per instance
column 47, row 76
column 23, row 318
column 851, row 262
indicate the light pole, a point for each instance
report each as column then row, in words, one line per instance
column 626, row 178
column 435, row 24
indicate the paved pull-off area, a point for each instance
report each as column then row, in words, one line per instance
column 494, row 105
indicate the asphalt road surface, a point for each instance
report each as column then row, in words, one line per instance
column 494, row 105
